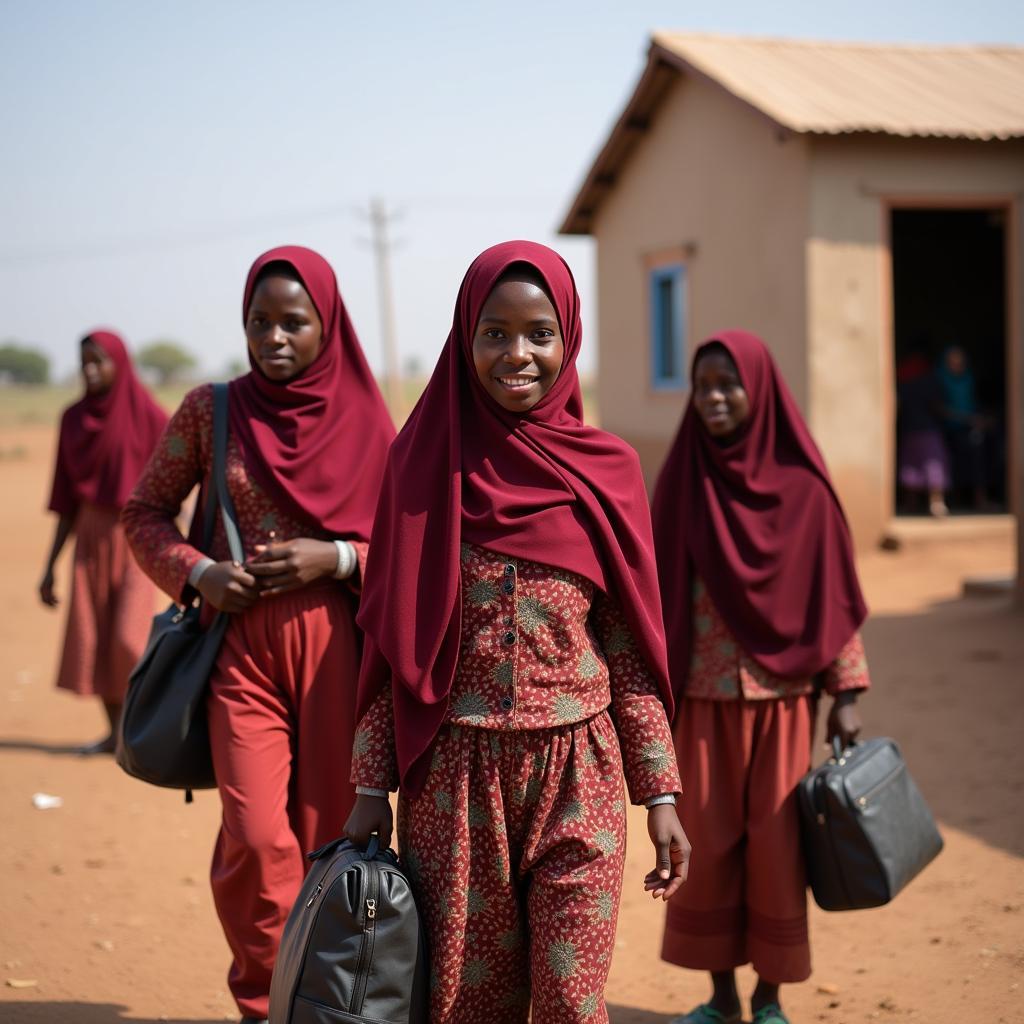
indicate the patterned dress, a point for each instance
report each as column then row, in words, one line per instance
column 743, row 739
column 516, row 843
column 282, row 696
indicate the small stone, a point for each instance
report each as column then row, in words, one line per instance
column 935, row 940
column 834, row 1004
column 105, row 944
column 22, row 982
column 828, row 988
column 56, row 869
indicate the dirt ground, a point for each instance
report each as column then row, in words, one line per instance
column 105, row 913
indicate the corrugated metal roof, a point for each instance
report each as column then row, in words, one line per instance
column 971, row 92
column 974, row 92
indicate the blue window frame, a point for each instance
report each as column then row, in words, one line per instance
column 668, row 326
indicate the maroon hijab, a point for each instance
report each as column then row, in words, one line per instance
column 541, row 486
column 316, row 443
column 106, row 440
column 759, row 522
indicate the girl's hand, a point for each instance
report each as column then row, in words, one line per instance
column 672, row 849
column 228, row 587
column 46, row 594
column 370, row 814
column 843, row 719
column 291, row 564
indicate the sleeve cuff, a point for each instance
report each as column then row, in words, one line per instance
column 198, row 569
column 371, row 791
column 661, row 798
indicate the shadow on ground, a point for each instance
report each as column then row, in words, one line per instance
column 38, row 747
column 628, row 1015
column 947, row 687
column 45, row 1012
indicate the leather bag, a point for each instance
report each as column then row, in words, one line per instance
column 866, row 829
column 352, row 949
column 163, row 735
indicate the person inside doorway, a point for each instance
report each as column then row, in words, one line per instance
column 924, row 464
column 967, row 429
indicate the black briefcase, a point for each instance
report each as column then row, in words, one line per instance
column 866, row 829
column 352, row 950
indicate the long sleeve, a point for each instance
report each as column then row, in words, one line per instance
column 63, row 499
column 355, row 581
column 179, row 462
column 645, row 736
column 374, row 762
column 850, row 669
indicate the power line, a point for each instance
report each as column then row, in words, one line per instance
column 163, row 241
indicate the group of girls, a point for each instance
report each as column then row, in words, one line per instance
column 470, row 613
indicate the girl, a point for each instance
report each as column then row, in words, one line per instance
column 762, row 608
column 308, row 433
column 105, row 439
column 515, row 663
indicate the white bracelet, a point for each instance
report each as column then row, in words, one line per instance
column 663, row 798
column 371, row 791
column 347, row 560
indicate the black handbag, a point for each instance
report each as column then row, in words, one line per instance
column 163, row 737
column 352, row 948
column 866, row 829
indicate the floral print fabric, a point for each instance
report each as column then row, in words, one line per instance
column 541, row 648
column 184, row 458
column 721, row 670
column 515, row 849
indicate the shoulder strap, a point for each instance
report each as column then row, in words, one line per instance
column 210, row 505
column 220, row 447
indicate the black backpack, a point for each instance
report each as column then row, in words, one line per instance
column 352, row 949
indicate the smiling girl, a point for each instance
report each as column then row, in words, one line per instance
column 515, row 664
column 762, row 609
column 307, row 442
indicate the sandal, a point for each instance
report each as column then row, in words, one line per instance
column 771, row 1013
column 707, row 1014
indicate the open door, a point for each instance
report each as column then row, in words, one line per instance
column 950, row 333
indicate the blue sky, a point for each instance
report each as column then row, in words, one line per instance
column 152, row 150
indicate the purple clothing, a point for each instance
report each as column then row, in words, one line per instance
column 924, row 461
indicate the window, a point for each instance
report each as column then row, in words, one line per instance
column 668, row 326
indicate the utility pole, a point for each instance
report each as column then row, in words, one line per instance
column 380, row 221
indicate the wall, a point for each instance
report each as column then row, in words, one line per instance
column 854, row 180
column 713, row 176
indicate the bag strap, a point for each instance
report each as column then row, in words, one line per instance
column 220, row 488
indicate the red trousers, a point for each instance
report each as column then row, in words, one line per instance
column 281, row 710
column 516, row 848
column 744, row 900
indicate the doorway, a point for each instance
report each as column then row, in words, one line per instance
column 950, row 324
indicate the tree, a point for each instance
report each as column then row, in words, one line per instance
column 22, row 365
column 167, row 359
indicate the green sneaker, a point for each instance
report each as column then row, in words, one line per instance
column 770, row 1014
column 707, row 1014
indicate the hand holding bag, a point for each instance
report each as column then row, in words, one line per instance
column 352, row 949
column 867, row 831
column 163, row 736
